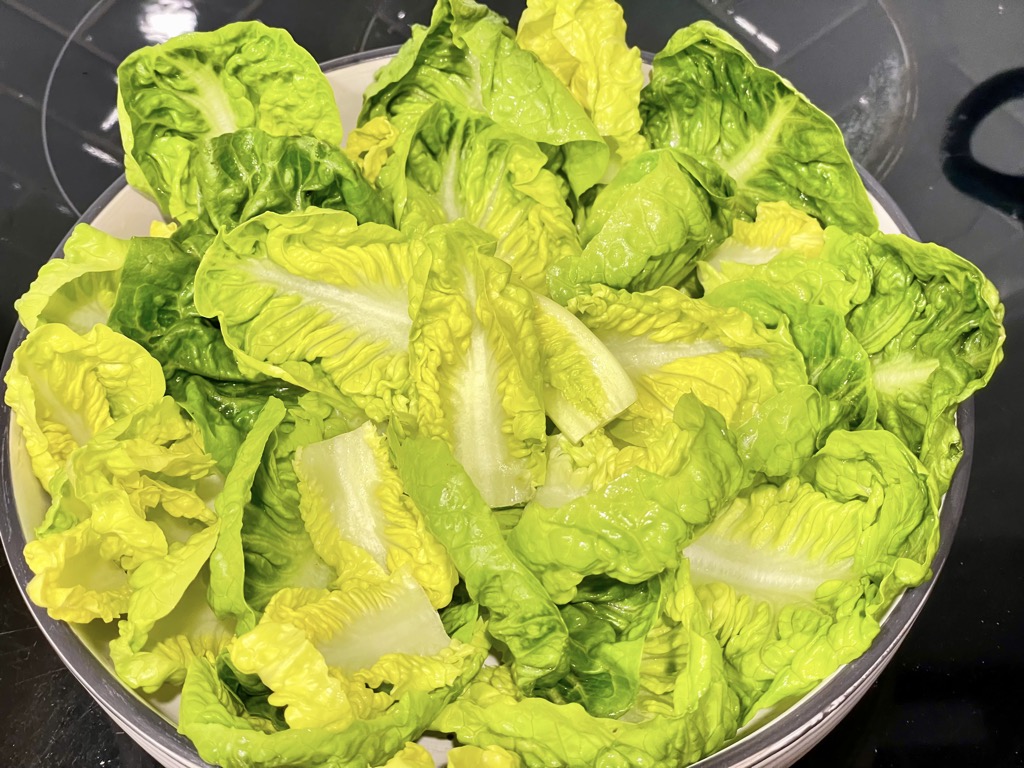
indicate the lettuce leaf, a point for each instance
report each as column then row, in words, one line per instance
column 154, row 307
column 521, row 616
column 794, row 577
column 708, row 97
column 453, row 164
column 352, row 499
column 65, row 387
column 660, row 214
column 319, row 301
column 79, row 289
column 585, row 387
column 583, row 42
column 236, row 176
column 204, row 84
column 671, row 344
column 476, row 367
column 634, row 527
column 468, row 56
column 933, row 327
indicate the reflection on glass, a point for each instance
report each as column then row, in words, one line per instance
column 103, row 157
column 160, row 20
column 751, row 29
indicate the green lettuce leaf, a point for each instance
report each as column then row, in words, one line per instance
column 660, row 214
column 671, row 344
column 521, row 616
column 352, row 498
column 468, row 56
column 790, row 251
column 708, row 97
column 583, row 42
column 635, row 526
column 121, row 499
column 79, row 289
column 933, row 326
column 453, row 164
column 154, row 307
column 837, row 365
column 476, row 367
column 795, row 577
column 319, row 301
column 277, row 547
column 168, row 620
column 493, row 712
column 224, row 732
column 65, row 387
column 204, row 84
column 227, row 561
column 236, row 176
column 584, row 385
column 607, row 622
column 338, row 640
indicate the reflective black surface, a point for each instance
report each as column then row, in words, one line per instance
column 894, row 74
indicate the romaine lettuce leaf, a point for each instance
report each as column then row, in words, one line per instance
column 79, row 289
column 634, row 527
column 708, row 97
column 319, row 301
column 583, row 42
column 933, row 326
column 225, row 733
column 227, row 561
column 475, row 365
column 65, row 387
column 204, row 84
column 352, row 499
column 794, row 577
column 315, row 649
column 468, row 756
column 607, row 622
column 168, row 620
column 119, row 501
column 468, row 56
column 521, row 616
column 370, row 145
column 584, row 385
column 660, row 214
column 671, row 344
column 236, row 176
column 452, row 164
column 154, row 307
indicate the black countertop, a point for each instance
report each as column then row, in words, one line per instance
column 894, row 74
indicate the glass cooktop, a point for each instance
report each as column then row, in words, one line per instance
column 930, row 97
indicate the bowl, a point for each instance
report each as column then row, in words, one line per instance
column 778, row 738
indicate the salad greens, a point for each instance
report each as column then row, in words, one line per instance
column 580, row 415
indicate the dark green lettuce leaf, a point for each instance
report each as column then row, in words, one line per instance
column 154, row 307
column 237, row 176
column 607, row 622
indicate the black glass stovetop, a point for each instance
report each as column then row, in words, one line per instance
column 930, row 96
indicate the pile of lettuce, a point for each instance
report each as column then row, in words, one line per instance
column 574, row 414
